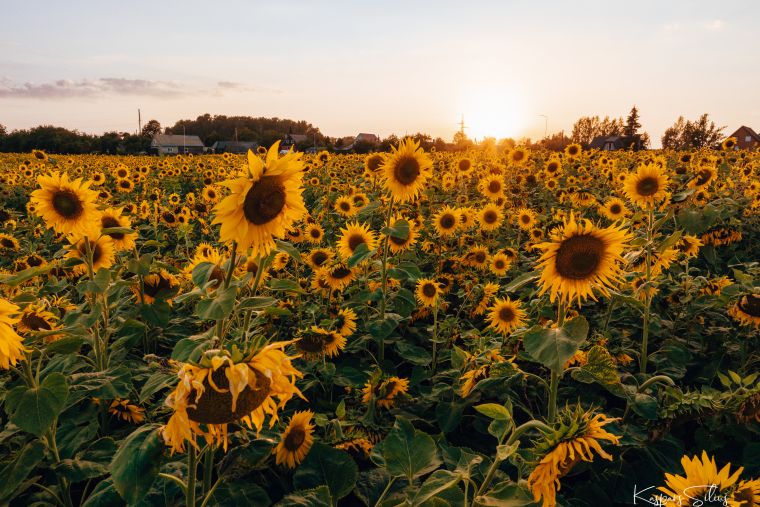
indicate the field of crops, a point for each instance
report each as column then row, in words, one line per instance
column 490, row 328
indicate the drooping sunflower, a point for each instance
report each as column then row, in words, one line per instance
column 384, row 391
column 427, row 292
column 353, row 235
column 374, row 162
column 296, row 440
column 11, row 344
column 747, row 310
column 581, row 258
column 264, row 204
column 506, row 315
column 345, row 322
column 102, row 252
column 316, row 342
column 126, row 411
column 406, row 169
column 647, row 186
column 574, row 437
column 35, row 318
column 229, row 387
column 67, row 206
column 446, row 221
column 160, row 285
column 700, row 475
column 111, row 218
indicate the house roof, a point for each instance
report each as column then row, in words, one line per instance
column 599, row 141
column 751, row 132
column 363, row 136
column 173, row 140
column 234, row 144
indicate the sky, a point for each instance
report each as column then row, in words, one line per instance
column 511, row 68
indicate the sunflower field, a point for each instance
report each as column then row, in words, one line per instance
column 490, row 328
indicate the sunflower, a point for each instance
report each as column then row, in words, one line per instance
column 647, row 186
column 318, row 257
column 747, row 310
column 11, row 344
column 157, row 286
column 446, row 221
column 728, row 144
column 427, row 292
column 575, row 437
column 36, row 318
column 354, row 235
column 344, row 205
column 314, row 234
column 296, row 440
column 66, row 206
column 472, row 377
column 406, row 169
column 581, row 258
column 490, row 217
column 338, row 275
column 526, row 219
column 8, row 242
column 374, row 162
column 506, row 315
column 316, row 342
column 614, row 209
column 111, row 218
column 701, row 478
column 102, row 252
column 492, row 187
column 573, row 150
column 384, row 391
column 264, row 204
column 345, row 322
column 126, row 411
column 499, row 264
column 221, row 390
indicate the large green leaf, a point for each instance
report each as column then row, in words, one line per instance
column 409, row 452
column 438, row 482
column 506, row 494
column 317, row 497
column 217, row 307
column 35, row 409
column 600, row 367
column 135, row 465
column 325, row 465
column 553, row 347
column 16, row 471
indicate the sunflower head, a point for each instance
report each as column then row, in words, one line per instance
column 406, row 169
column 67, row 206
column 647, row 186
column 296, row 440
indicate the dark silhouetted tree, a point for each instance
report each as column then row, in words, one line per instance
column 151, row 128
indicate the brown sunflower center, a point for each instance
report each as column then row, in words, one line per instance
column 579, row 257
column 35, row 322
column 480, row 257
column 355, row 240
column 7, row 243
column 398, row 241
column 750, row 305
column 490, row 217
column 498, row 264
column 506, row 314
column 428, row 290
column 494, row 186
column 340, row 272
column 295, row 439
column 108, row 222
column 312, row 342
column 615, row 209
column 374, row 162
column 703, row 176
column 264, row 201
column 315, row 233
column 464, row 165
column 647, row 186
column 319, row 258
column 448, row 221
column 525, row 219
column 406, row 171
column 156, row 284
column 34, row 260
column 67, row 204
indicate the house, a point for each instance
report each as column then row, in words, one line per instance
column 168, row 144
column 291, row 140
column 366, row 138
column 746, row 138
column 612, row 143
column 361, row 140
column 233, row 146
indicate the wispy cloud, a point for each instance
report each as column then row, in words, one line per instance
column 113, row 86
column 712, row 25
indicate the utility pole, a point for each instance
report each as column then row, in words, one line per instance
column 461, row 124
column 184, row 142
column 139, row 122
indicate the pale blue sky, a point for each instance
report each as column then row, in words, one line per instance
column 379, row 67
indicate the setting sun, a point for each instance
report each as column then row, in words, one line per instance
column 494, row 112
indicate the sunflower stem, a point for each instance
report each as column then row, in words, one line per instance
column 435, row 334
column 553, row 388
column 208, row 469
column 647, row 294
column 385, row 491
column 192, row 465
column 384, row 278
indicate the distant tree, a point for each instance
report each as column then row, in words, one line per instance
column 389, row 142
column 440, row 145
column 632, row 124
column 555, row 142
column 151, row 128
column 589, row 127
column 462, row 142
column 686, row 134
column 3, row 130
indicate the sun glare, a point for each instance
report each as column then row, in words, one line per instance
column 493, row 112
